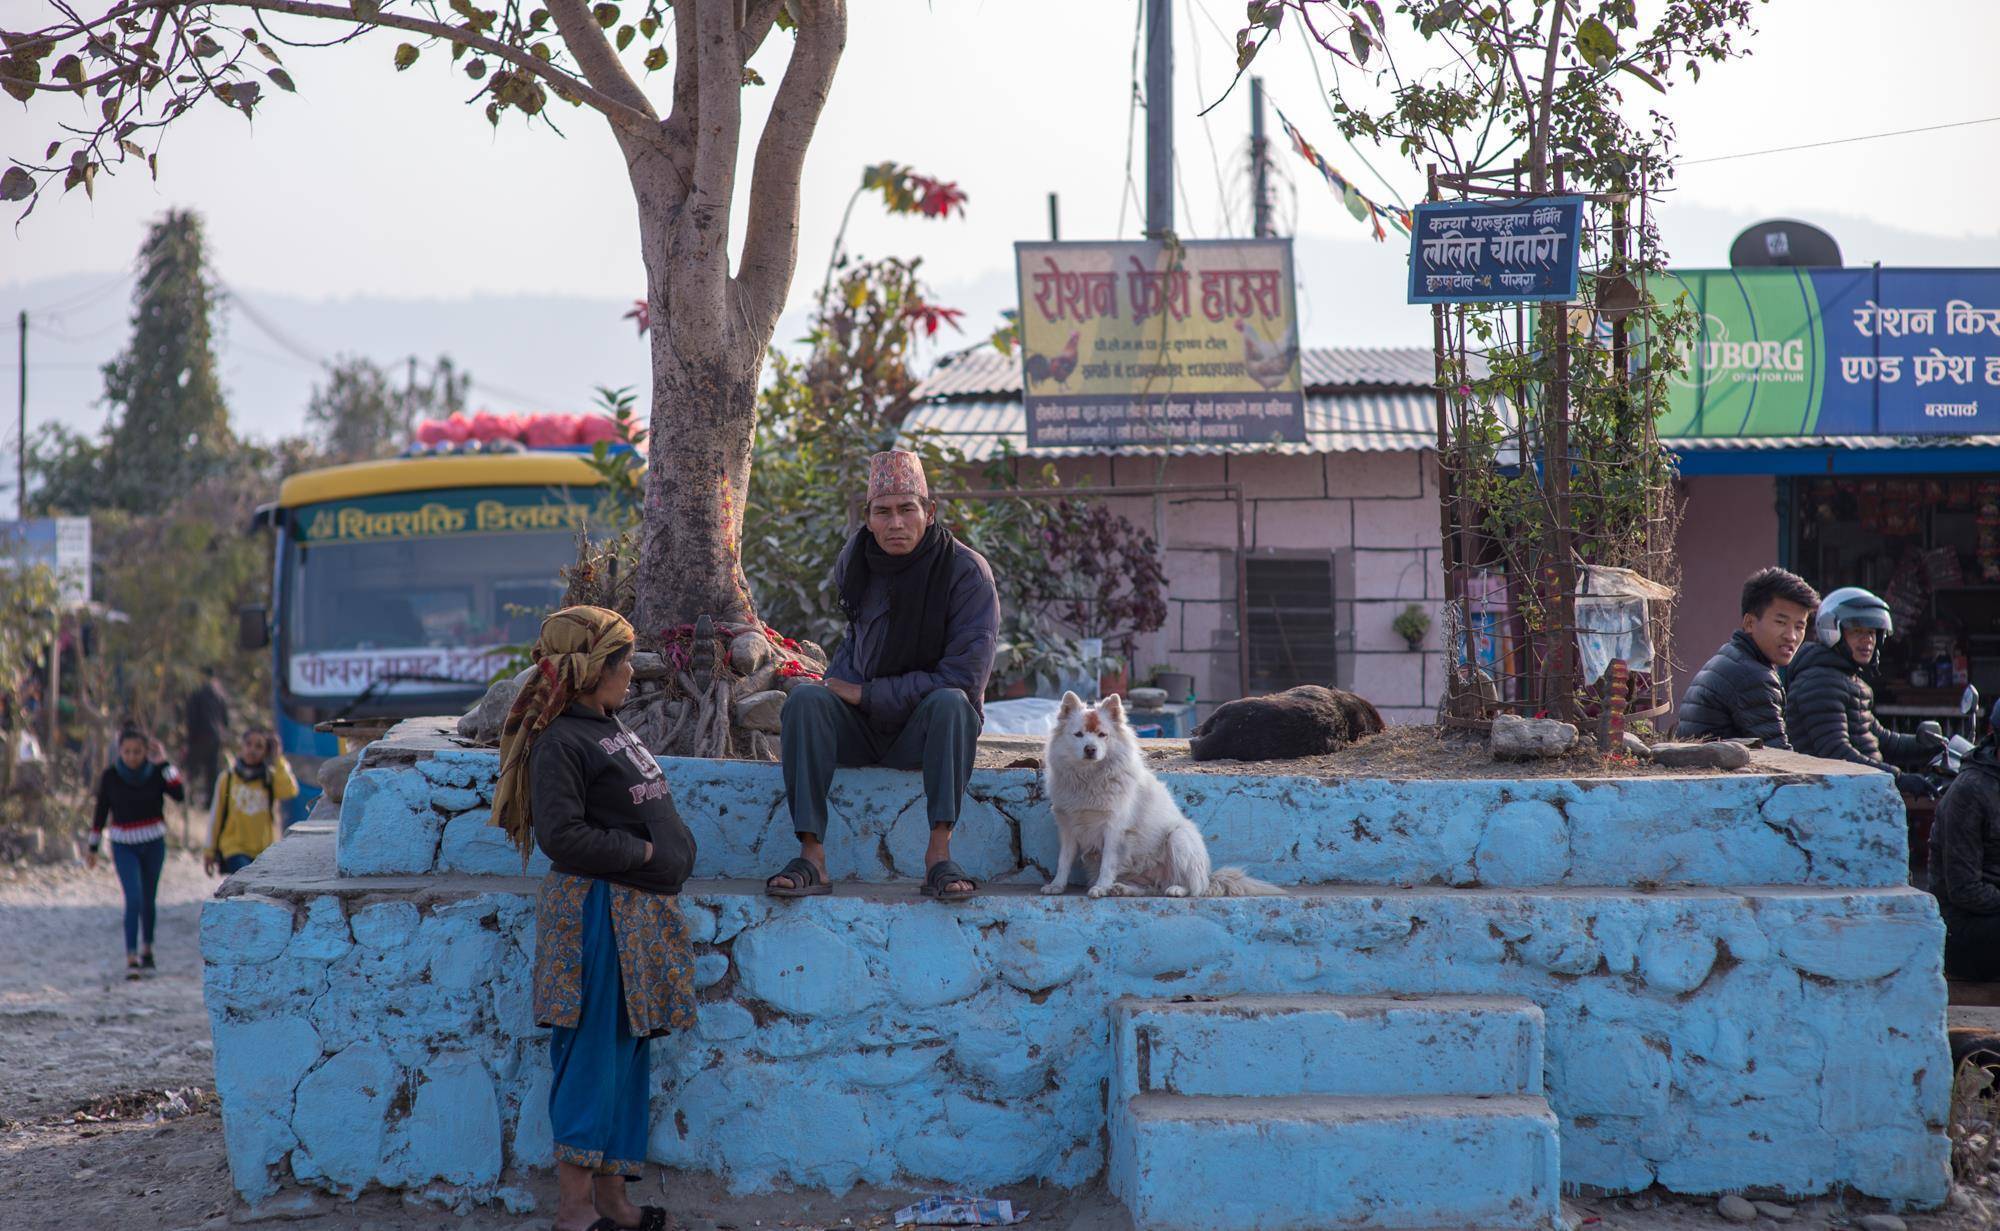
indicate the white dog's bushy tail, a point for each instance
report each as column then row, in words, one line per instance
column 1236, row 883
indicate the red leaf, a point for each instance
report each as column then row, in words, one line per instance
column 938, row 198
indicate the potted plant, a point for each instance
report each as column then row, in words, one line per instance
column 1178, row 684
column 1412, row 625
column 1111, row 675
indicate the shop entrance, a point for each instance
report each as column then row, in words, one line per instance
column 1930, row 546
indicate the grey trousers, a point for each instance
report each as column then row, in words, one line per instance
column 820, row 732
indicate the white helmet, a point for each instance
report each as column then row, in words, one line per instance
column 1851, row 606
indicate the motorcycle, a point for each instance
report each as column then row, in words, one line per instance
column 1920, row 805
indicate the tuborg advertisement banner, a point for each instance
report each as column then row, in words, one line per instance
column 1838, row 352
column 1144, row 344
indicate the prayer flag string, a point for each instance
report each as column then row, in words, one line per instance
column 1363, row 209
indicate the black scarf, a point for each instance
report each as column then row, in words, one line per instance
column 919, row 598
column 252, row 773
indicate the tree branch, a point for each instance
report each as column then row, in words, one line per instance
column 601, row 65
column 771, row 239
column 1541, row 117
column 680, row 122
column 638, row 123
column 757, row 26
column 719, row 108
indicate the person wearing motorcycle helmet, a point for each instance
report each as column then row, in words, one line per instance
column 1829, row 706
column 1965, row 863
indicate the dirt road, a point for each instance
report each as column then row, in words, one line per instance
column 87, row 1057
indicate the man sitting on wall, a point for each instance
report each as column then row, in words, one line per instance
column 1829, row 707
column 905, row 685
column 1738, row 695
column 1965, row 864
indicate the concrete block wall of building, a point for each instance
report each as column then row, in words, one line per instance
column 1374, row 513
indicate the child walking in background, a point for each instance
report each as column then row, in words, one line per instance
column 132, row 793
column 245, row 817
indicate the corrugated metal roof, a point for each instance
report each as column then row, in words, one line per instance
column 1759, row 444
column 1335, row 423
column 987, row 373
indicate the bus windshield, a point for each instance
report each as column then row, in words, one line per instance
column 427, row 605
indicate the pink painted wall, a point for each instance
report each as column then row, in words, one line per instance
column 1729, row 530
column 1377, row 512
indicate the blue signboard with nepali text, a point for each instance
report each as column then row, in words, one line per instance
column 1838, row 352
column 1517, row 251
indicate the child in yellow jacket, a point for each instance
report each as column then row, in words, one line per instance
column 245, row 819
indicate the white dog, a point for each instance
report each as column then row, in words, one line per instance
column 1110, row 806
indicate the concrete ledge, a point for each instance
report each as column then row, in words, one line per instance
column 1296, row 1164
column 1272, row 1046
column 417, row 805
column 1706, row 1039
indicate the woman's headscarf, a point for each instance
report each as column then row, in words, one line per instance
column 570, row 655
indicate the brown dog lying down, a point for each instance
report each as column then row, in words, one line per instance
column 1306, row 721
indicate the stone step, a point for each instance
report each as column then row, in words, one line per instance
column 1259, row 1046
column 1185, row 1163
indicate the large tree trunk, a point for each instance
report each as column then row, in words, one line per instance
column 711, row 327
column 697, row 478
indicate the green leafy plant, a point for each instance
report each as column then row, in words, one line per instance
column 1552, row 461
column 1412, row 624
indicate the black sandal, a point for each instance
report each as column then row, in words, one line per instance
column 943, row 873
column 652, row 1218
column 806, row 882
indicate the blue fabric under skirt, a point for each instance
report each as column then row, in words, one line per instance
column 598, row 1094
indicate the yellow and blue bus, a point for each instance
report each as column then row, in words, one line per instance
column 397, row 585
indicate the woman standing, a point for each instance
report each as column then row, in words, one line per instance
column 244, row 820
column 132, row 793
column 613, row 966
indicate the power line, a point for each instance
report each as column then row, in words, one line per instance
column 81, row 299
column 270, row 330
column 1208, row 132
column 1326, row 100
column 1131, row 195
column 1816, row 145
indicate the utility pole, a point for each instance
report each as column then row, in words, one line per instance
column 1260, row 165
column 1159, row 118
column 410, row 398
column 1055, row 220
column 21, row 425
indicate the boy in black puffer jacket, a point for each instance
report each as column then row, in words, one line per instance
column 1739, row 695
column 1829, row 707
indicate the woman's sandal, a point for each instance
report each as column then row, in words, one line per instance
column 806, row 882
column 945, row 872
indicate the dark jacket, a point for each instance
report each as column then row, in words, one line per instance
column 598, row 796
column 129, row 805
column 1736, row 696
column 207, row 717
column 972, row 633
column 1965, row 839
column 1830, row 712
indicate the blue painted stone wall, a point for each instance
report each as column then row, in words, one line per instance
column 1774, row 1022
column 1767, row 828
column 1789, row 1039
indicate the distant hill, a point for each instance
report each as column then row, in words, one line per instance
column 543, row 352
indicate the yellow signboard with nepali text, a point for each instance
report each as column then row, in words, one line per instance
column 1152, row 343
column 436, row 514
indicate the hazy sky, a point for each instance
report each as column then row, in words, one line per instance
column 376, row 182
column 374, row 214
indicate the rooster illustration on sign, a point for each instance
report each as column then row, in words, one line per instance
column 1058, row 369
column 1268, row 363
